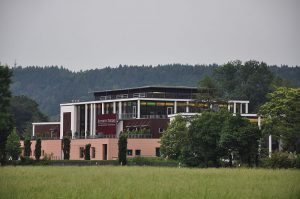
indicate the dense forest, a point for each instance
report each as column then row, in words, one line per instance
column 50, row 86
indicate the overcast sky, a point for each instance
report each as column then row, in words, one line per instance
column 83, row 34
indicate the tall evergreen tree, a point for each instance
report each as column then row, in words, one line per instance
column 38, row 149
column 122, row 149
column 13, row 146
column 66, row 147
column 6, row 124
column 27, row 147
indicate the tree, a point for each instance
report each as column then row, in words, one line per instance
column 38, row 148
column 66, row 147
column 122, row 144
column 208, row 91
column 240, row 137
column 202, row 144
column 282, row 117
column 25, row 111
column 13, row 146
column 173, row 138
column 249, row 81
column 27, row 147
column 87, row 152
column 6, row 123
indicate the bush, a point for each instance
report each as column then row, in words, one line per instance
column 151, row 161
column 87, row 154
column 279, row 160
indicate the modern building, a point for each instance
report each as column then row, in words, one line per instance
column 144, row 111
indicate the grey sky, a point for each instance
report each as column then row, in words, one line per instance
column 82, row 34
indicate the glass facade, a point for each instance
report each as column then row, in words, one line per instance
column 156, row 109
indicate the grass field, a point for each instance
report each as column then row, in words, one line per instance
column 146, row 182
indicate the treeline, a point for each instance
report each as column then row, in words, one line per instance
column 50, row 86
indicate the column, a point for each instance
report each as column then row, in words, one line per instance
column 246, row 111
column 114, row 107
column 234, row 107
column 74, row 121
column 259, row 122
column 175, row 107
column 270, row 145
column 187, row 107
column 85, row 119
column 138, row 109
column 33, row 130
column 228, row 107
column 241, row 108
column 102, row 108
column 91, row 119
column 94, row 120
column 120, row 110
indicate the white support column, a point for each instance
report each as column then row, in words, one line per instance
column 33, row 130
column 74, row 120
column 91, row 119
column 246, row 111
column 241, row 108
column 120, row 110
column 234, row 107
column 102, row 108
column 175, row 107
column 259, row 122
column 94, row 120
column 228, row 107
column 85, row 119
column 187, row 107
column 138, row 109
column 114, row 107
column 78, row 120
column 270, row 145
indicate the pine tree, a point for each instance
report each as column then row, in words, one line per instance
column 38, row 148
column 13, row 146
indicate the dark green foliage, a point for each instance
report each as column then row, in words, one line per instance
column 202, row 145
column 87, row 152
column 13, row 146
column 6, row 123
column 249, row 81
column 174, row 138
column 151, row 161
column 38, row 149
column 122, row 144
column 282, row 117
column 50, row 86
column 280, row 160
column 27, row 147
column 240, row 137
column 25, row 111
column 66, row 147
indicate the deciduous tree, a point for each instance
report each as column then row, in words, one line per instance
column 13, row 146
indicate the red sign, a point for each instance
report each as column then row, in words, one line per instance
column 106, row 124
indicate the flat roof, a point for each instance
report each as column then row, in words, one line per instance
column 147, row 87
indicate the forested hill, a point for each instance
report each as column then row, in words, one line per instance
column 50, row 86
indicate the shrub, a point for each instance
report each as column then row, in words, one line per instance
column 87, row 155
column 38, row 147
column 279, row 160
column 27, row 148
column 66, row 148
column 122, row 144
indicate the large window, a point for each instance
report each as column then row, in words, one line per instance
column 81, row 152
column 93, row 152
column 156, row 109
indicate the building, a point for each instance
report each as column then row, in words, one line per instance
column 144, row 111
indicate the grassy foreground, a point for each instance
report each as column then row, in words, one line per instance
column 147, row 182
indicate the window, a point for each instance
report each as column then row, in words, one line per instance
column 43, row 152
column 93, row 152
column 138, row 152
column 129, row 152
column 81, row 152
column 157, row 152
column 160, row 130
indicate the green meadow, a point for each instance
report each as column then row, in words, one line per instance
column 146, row 182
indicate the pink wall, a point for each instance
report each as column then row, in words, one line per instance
column 147, row 147
column 48, row 147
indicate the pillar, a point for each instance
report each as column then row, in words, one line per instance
column 246, row 111
column 175, row 107
column 138, row 109
column 259, row 122
column 33, row 130
column 91, row 119
column 114, row 107
column 270, row 145
column 102, row 108
column 94, row 120
column 85, row 119
column 234, row 107
column 241, row 108
column 187, row 107
column 120, row 110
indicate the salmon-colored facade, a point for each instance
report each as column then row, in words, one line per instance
column 101, row 149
